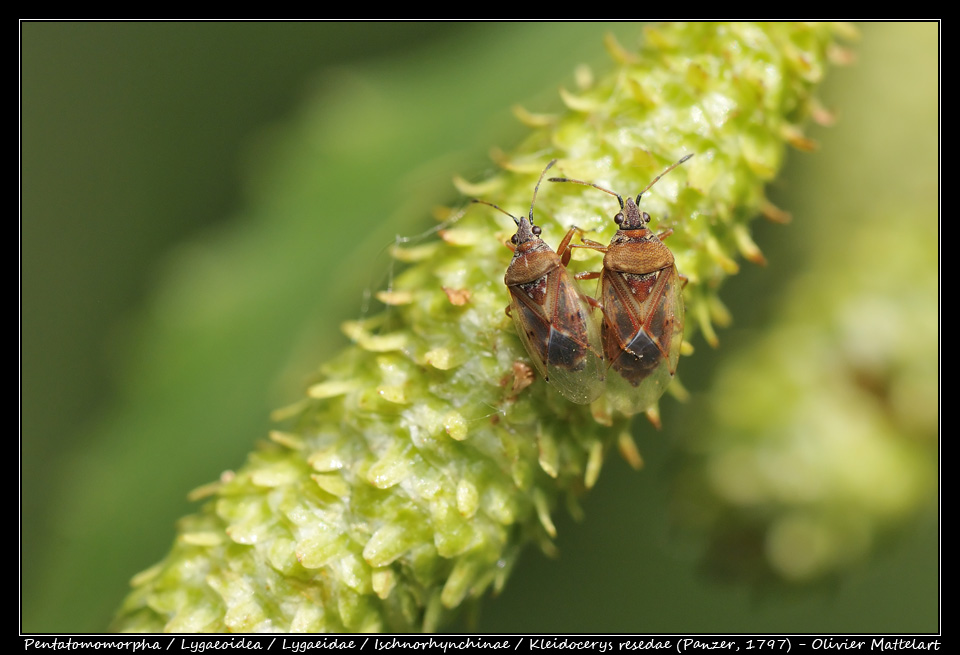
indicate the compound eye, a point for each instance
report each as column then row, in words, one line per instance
column 536, row 230
column 646, row 217
column 618, row 219
column 513, row 239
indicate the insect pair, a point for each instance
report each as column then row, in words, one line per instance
column 633, row 356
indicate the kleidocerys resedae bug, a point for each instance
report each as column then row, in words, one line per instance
column 642, row 298
column 554, row 319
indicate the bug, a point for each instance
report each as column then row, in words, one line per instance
column 642, row 300
column 553, row 317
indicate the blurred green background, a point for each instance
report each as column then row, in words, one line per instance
column 204, row 203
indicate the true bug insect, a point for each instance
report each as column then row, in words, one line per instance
column 552, row 316
column 642, row 301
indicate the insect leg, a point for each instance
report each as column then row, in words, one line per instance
column 564, row 249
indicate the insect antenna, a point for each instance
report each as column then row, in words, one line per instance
column 532, row 202
column 619, row 197
column 595, row 186
column 657, row 178
column 537, row 188
column 490, row 204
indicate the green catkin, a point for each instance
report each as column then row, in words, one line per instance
column 426, row 457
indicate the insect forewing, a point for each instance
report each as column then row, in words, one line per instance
column 560, row 335
column 574, row 360
column 642, row 336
